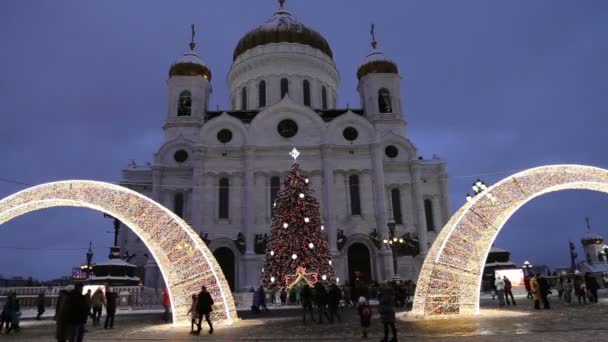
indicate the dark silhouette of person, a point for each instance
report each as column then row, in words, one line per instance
column 203, row 308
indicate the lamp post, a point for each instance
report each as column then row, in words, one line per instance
column 478, row 187
column 88, row 267
column 393, row 242
column 527, row 267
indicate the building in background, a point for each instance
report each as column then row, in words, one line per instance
column 221, row 169
column 498, row 259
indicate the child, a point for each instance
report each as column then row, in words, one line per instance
column 193, row 313
column 365, row 314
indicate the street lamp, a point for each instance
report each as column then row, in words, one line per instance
column 478, row 187
column 527, row 267
column 393, row 242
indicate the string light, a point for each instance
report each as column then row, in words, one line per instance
column 450, row 278
column 184, row 261
column 322, row 227
column 306, row 180
column 294, row 256
column 324, row 277
column 330, row 262
column 272, row 279
column 285, row 225
column 301, row 195
column 311, row 245
column 306, row 219
column 272, row 253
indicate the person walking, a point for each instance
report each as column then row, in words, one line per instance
column 365, row 315
column 567, row 288
column 203, row 308
column 333, row 303
column 40, row 304
column 386, row 309
column 166, row 305
column 110, row 309
column 97, row 301
column 580, row 289
column 4, row 320
column 543, row 287
column 13, row 312
column 559, row 286
column 262, row 295
column 499, row 285
column 321, row 301
column 508, row 291
column 528, row 287
column 193, row 313
column 306, row 301
column 74, row 313
column 61, row 328
column 592, row 287
column 534, row 289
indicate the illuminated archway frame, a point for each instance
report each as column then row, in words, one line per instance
column 450, row 278
column 184, row 261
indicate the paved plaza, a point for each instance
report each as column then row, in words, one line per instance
column 521, row 323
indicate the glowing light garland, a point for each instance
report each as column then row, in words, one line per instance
column 184, row 261
column 450, row 279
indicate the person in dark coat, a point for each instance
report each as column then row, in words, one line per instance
column 592, row 287
column 543, row 288
column 386, row 308
column 509, row 291
column 321, row 301
column 333, row 302
column 203, row 308
column 13, row 311
column 73, row 314
column 111, row 298
column 306, row 300
column 40, row 304
column 61, row 329
column 262, row 295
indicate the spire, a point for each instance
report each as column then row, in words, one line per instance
column 374, row 42
column 281, row 3
column 192, row 43
column 588, row 224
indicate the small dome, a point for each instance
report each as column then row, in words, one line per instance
column 282, row 27
column 592, row 238
column 376, row 61
column 190, row 64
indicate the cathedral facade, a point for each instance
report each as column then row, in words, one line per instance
column 220, row 170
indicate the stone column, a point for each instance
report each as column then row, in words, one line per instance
column 209, row 206
column 385, row 255
column 262, row 202
column 235, row 211
column 419, row 208
column 328, row 197
column 248, row 198
column 446, row 210
column 437, row 219
column 405, row 214
column 196, row 217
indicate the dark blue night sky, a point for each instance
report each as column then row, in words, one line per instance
column 490, row 86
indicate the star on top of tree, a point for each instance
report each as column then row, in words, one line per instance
column 294, row 153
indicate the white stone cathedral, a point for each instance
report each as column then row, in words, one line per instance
column 220, row 170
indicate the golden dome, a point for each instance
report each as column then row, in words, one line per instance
column 282, row 27
column 190, row 64
column 376, row 62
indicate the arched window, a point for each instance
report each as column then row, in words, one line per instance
column 284, row 87
column 262, row 94
column 396, row 201
column 178, row 204
column 428, row 212
column 306, row 90
column 275, row 186
column 323, row 97
column 355, row 201
column 184, row 105
column 223, row 198
column 384, row 101
column 244, row 98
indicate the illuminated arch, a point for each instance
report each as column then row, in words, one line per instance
column 450, row 278
column 184, row 261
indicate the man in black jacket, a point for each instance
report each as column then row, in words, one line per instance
column 333, row 302
column 204, row 308
column 321, row 301
column 110, row 309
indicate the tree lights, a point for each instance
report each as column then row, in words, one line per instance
column 184, row 261
column 297, row 248
column 450, row 278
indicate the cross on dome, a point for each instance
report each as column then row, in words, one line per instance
column 281, row 3
column 192, row 43
column 294, row 153
column 372, row 31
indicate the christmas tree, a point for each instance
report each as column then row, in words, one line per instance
column 297, row 249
